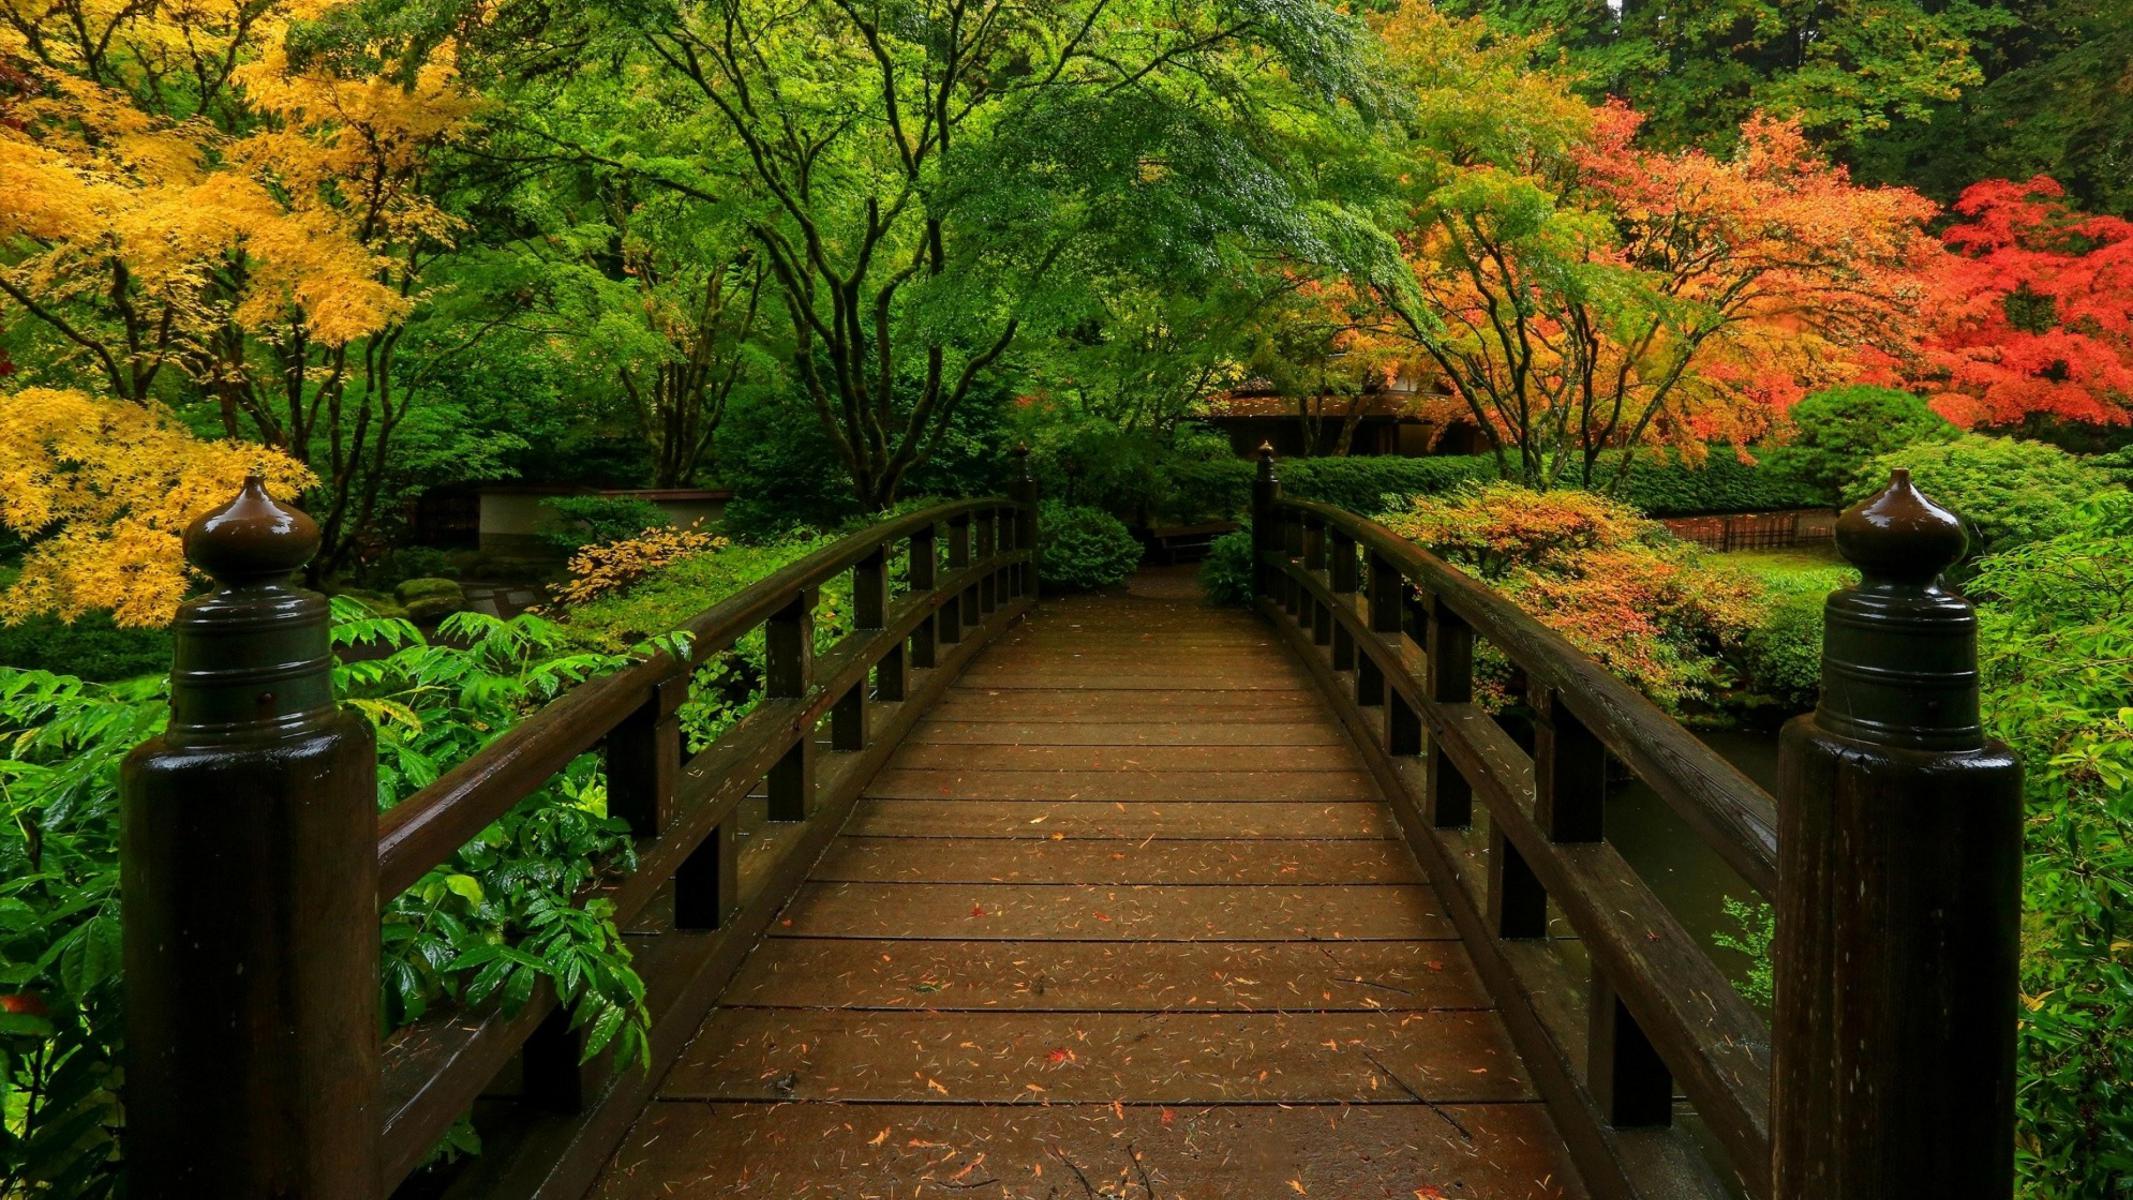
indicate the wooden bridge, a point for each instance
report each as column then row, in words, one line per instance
column 1101, row 897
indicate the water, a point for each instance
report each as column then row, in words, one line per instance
column 1686, row 875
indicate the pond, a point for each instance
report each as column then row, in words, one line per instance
column 1686, row 875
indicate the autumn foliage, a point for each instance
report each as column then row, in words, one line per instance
column 1618, row 587
column 106, row 490
column 1582, row 293
column 2036, row 301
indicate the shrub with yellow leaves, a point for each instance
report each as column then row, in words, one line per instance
column 611, row 566
column 103, row 490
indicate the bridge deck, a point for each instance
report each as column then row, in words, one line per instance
column 1124, row 918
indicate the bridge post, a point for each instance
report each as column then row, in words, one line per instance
column 249, row 874
column 1899, row 889
column 1266, row 523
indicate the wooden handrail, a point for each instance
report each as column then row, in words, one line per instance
column 1896, row 888
column 1734, row 816
column 328, row 1108
column 428, row 827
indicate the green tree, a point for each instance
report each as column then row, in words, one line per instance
column 1849, row 71
column 1834, row 432
column 925, row 183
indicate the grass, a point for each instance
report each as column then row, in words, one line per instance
column 1800, row 569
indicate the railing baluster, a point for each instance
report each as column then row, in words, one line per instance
column 923, row 570
column 1266, row 527
column 707, row 884
column 1518, row 905
column 870, row 604
column 644, row 758
column 1341, row 576
column 988, row 542
column 1385, row 587
column 1569, row 772
column 1448, row 677
column 553, row 1078
column 788, row 669
column 1626, row 1076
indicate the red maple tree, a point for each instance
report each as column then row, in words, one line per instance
column 2036, row 311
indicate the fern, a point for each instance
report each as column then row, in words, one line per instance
column 486, row 927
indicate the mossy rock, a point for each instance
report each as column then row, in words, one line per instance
column 379, row 603
column 431, row 600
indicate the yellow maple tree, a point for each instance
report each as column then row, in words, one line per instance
column 103, row 490
column 190, row 212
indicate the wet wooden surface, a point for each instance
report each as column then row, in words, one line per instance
column 1123, row 920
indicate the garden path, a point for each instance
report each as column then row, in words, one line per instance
column 1124, row 918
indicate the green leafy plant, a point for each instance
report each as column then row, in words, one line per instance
column 1837, row 431
column 2056, row 634
column 592, row 520
column 1754, row 930
column 2006, row 491
column 489, row 925
column 1227, row 571
column 1081, row 549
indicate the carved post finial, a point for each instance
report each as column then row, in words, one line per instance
column 251, row 539
column 253, row 659
column 1266, row 460
column 1899, row 662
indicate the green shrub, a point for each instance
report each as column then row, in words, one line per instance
column 1662, row 484
column 590, row 520
column 443, row 940
column 1781, row 658
column 2008, row 492
column 1659, row 484
column 2056, row 636
column 90, row 648
column 1837, row 431
column 1081, row 548
column 1227, row 571
column 1377, row 483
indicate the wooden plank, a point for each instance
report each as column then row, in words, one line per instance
column 1121, row 786
column 1064, row 1058
column 1100, row 707
column 1109, row 977
column 1206, row 913
column 913, row 860
column 1197, row 759
column 694, row 1151
column 1092, row 819
column 1320, row 732
column 1053, row 679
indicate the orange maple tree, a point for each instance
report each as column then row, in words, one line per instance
column 1584, row 294
column 2036, row 301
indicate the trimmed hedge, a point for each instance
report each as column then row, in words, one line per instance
column 1657, row 487
column 92, row 648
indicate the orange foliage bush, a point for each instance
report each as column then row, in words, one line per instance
column 1648, row 607
column 611, row 566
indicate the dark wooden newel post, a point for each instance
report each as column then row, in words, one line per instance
column 1899, row 889
column 249, row 873
column 1266, row 521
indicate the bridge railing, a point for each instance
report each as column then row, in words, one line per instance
column 260, row 860
column 1895, row 881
